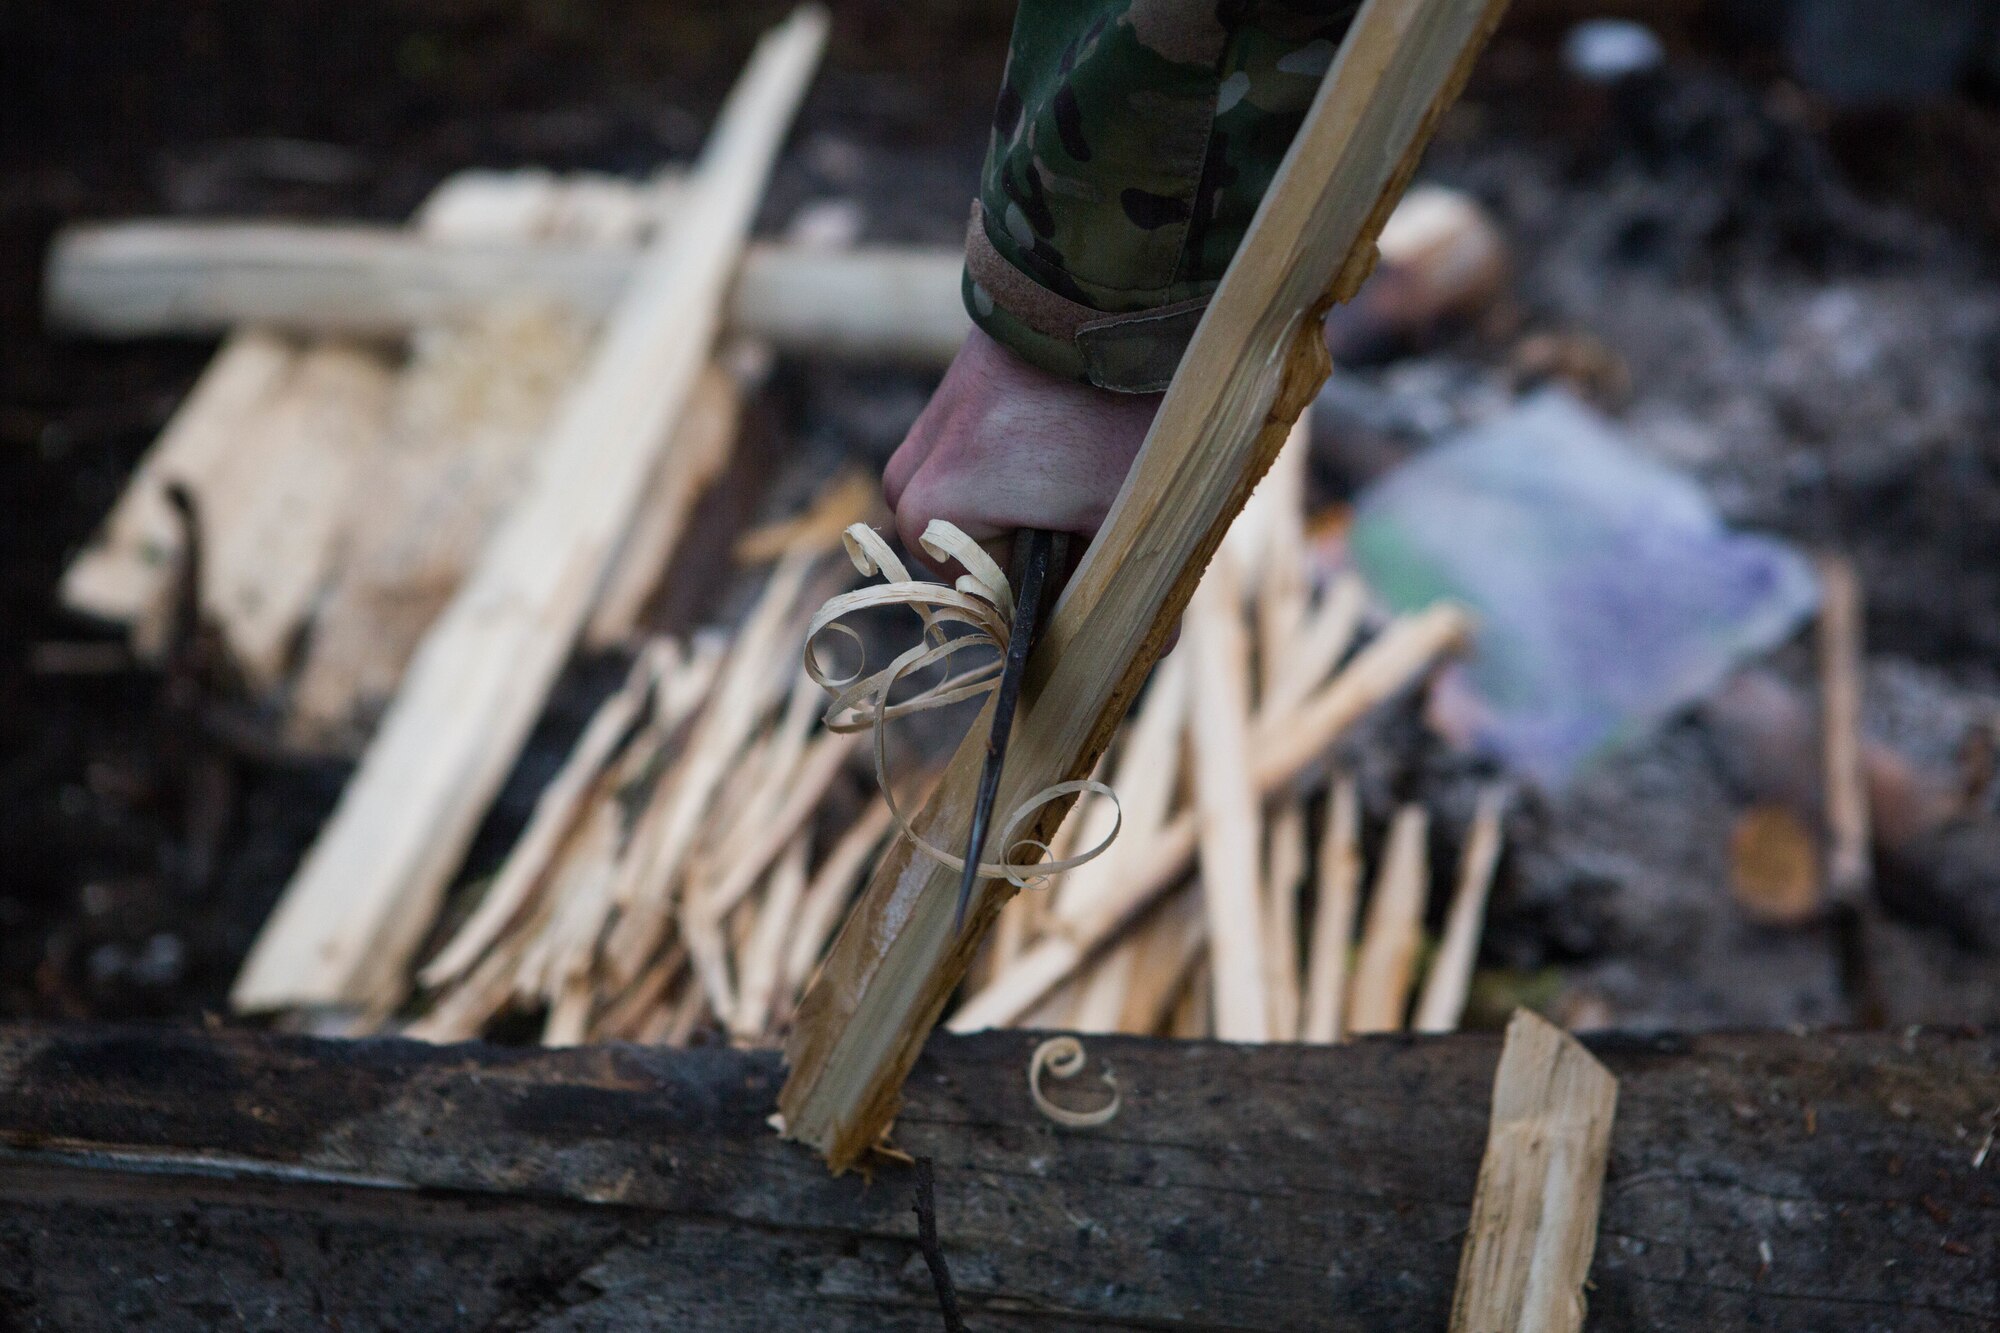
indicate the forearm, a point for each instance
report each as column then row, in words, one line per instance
column 1132, row 142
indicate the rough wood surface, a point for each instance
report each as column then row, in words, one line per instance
column 1253, row 364
column 175, row 1180
column 133, row 279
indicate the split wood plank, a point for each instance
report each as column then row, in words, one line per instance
column 1254, row 363
column 269, row 445
column 274, row 510
column 344, row 931
column 126, row 573
column 1534, row 1217
column 1284, row 878
column 136, row 279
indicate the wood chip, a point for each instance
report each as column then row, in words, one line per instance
column 1534, row 1218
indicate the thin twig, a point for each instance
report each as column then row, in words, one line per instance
column 927, row 1241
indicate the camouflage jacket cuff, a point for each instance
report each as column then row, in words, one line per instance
column 1132, row 142
column 1133, row 352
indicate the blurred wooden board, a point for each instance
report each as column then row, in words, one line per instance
column 168, row 1179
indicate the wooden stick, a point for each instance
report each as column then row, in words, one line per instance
column 760, row 967
column 1441, row 1004
column 1333, row 917
column 1534, row 1217
column 138, row 279
column 1378, row 672
column 346, row 926
column 1285, row 873
column 1255, row 361
column 668, row 833
column 1226, row 803
column 1850, row 850
column 1322, row 640
column 1388, row 956
column 806, row 788
column 1165, row 951
column 831, row 885
column 1157, row 865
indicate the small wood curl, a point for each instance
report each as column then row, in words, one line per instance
column 1063, row 1058
column 981, row 601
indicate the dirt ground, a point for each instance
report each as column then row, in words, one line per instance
column 1801, row 305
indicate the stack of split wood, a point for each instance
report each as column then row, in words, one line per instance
column 685, row 872
column 685, row 868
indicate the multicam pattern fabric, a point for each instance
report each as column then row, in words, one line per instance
column 1131, row 144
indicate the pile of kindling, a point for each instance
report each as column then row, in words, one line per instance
column 682, row 877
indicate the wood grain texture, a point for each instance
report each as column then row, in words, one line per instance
column 171, row 1180
column 1254, row 362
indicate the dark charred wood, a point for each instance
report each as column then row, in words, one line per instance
column 177, row 1179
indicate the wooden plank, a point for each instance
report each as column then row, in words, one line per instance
column 345, row 929
column 138, row 279
column 274, row 508
column 164, row 1179
column 1534, row 1218
column 1255, row 361
column 268, row 444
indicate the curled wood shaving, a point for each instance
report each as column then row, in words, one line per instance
column 1063, row 1058
column 981, row 602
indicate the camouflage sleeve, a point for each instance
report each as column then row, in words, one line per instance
column 1132, row 142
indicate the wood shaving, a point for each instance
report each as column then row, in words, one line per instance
column 1063, row 1058
column 982, row 602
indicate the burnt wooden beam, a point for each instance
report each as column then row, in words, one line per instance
column 172, row 1179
